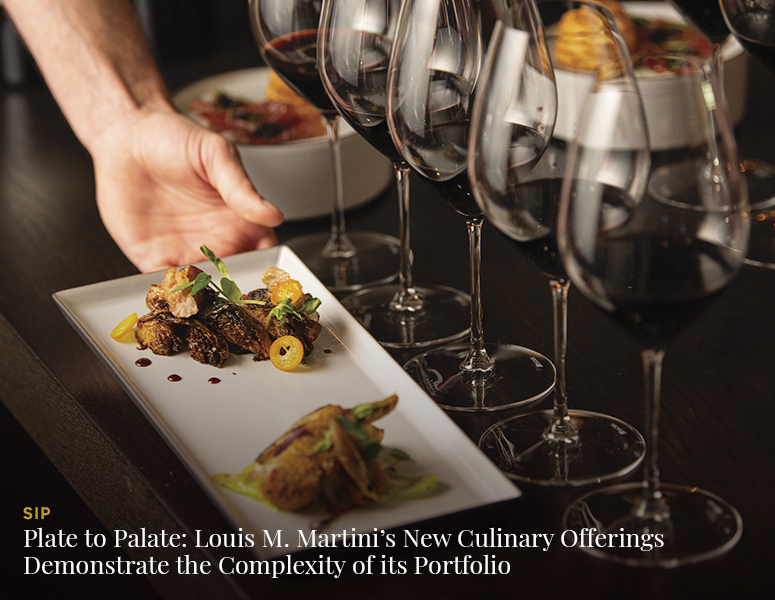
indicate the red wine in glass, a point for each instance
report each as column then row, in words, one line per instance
column 543, row 198
column 433, row 72
column 654, row 284
column 363, row 88
column 439, row 149
column 292, row 56
column 756, row 32
column 287, row 35
column 354, row 47
column 706, row 16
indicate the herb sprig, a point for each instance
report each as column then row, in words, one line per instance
column 285, row 307
column 228, row 289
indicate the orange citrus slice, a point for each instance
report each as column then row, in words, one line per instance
column 124, row 328
column 286, row 352
column 290, row 289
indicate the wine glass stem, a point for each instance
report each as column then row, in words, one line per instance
column 477, row 358
column 652, row 504
column 406, row 298
column 338, row 246
column 562, row 428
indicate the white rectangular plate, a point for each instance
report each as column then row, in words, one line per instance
column 221, row 428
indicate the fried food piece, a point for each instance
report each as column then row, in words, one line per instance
column 307, row 330
column 242, row 332
column 161, row 332
column 317, row 454
column 180, row 303
column 274, row 276
column 583, row 43
column 206, row 346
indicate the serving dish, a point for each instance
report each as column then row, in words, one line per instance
column 221, row 428
column 666, row 130
column 295, row 176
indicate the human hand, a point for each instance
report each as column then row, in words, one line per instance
column 165, row 186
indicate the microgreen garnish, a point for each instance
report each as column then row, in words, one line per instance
column 285, row 307
column 228, row 289
column 398, row 456
column 351, row 427
column 363, row 410
column 325, row 443
column 371, row 451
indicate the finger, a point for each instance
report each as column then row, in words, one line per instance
column 267, row 240
column 228, row 176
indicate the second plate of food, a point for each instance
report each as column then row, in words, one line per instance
column 294, row 175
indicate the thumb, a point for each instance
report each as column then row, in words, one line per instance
column 228, row 177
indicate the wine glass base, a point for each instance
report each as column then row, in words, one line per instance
column 374, row 260
column 445, row 315
column 701, row 526
column 761, row 244
column 760, row 180
column 520, row 376
column 604, row 448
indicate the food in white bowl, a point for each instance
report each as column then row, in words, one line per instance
column 652, row 22
column 294, row 174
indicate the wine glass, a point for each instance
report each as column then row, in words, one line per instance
column 354, row 43
column 433, row 72
column 517, row 173
column 708, row 17
column 653, row 262
column 286, row 33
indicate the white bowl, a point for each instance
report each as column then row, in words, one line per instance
column 296, row 176
column 666, row 130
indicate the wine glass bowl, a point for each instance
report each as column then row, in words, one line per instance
column 517, row 167
column 753, row 24
column 653, row 256
column 355, row 43
column 751, row 21
column 286, row 32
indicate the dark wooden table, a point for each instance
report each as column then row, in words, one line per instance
column 717, row 420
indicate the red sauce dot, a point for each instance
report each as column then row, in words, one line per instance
column 143, row 362
column 174, row 377
column 213, row 380
column 327, row 351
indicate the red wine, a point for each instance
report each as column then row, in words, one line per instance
column 706, row 16
column 360, row 93
column 457, row 193
column 293, row 57
column 433, row 130
column 440, row 153
column 532, row 222
column 756, row 32
column 656, row 286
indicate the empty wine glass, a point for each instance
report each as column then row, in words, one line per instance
column 355, row 40
column 433, row 73
column 653, row 261
column 517, row 173
column 286, row 33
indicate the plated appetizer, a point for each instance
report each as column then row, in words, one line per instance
column 332, row 457
column 189, row 311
